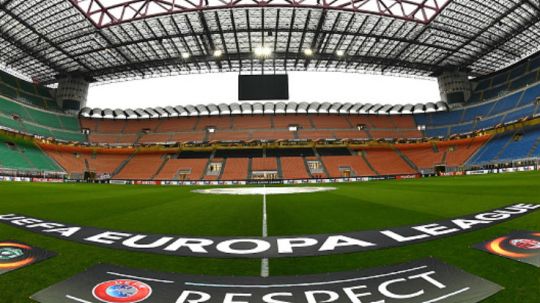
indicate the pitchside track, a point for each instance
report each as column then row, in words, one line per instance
column 351, row 207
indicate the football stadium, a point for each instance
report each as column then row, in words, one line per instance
column 268, row 198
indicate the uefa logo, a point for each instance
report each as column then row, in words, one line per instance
column 528, row 244
column 122, row 291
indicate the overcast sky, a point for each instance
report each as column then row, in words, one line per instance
column 303, row 86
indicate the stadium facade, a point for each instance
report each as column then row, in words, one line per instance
column 487, row 117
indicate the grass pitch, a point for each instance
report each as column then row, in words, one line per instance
column 352, row 207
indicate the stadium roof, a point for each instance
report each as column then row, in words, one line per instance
column 267, row 108
column 111, row 40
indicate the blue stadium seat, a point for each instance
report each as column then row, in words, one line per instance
column 490, row 150
column 520, row 149
column 530, row 95
column 488, row 123
column 437, row 132
column 446, row 118
column 506, row 103
column 518, row 114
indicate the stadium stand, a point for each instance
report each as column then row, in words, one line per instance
column 510, row 146
column 141, row 167
column 22, row 154
column 235, row 169
column 183, row 169
column 294, row 168
column 346, row 166
column 387, row 162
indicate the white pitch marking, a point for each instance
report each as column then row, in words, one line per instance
column 307, row 284
column 283, row 190
column 448, row 295
column 265, row 266
column 77, row 299
column 140, row 278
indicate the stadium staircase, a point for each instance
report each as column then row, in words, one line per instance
column 223, row 164
column 307, row 167
column 166, row 159
column 445, row 155
column 406, row 159
column 279, row 169
column 207, row 166
column 123, row 164
column 534, row 148
column 363, row 154
column 250, row 168
column 505, row 146
column 323, row 166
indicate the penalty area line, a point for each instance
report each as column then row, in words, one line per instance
column 265, row 266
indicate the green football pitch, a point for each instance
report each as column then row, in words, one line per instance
column 352, row 207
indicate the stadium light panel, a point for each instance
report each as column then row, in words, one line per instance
column 308, row 52
column 218, row 53
column 263, row 52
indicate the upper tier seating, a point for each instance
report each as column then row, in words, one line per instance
column 36, row 121
column 508, row 96
column 246, row 128
column 509, row 108
column 26, row 92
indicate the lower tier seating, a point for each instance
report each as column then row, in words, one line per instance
column 19, row 154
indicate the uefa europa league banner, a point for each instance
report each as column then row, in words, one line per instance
column 269, row 247
column 421, row 281
column 522, row 246
column 15, row 255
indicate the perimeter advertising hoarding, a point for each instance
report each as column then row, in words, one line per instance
column 15, row 255
column 425, row 280
column 522, row 246
column 269, row 247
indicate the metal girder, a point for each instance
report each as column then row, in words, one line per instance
column 106, row 13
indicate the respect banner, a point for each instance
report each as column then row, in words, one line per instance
column 426, row 280
column 522, row 246
column 269, row 247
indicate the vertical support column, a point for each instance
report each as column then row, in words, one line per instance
column 454, row 87
column 72, row 92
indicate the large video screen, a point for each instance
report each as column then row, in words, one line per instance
column 263, row 87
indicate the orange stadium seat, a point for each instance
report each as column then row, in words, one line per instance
column 261, row 164
column 355, row 163
column 294, row 168
column 252, row 122
column 388, row 162
column 235, row 169
column 141, row 167
column 193, row 169
column 284, row 121
column 71, row 162
column 182, row 124
column 217, row 122
column 331, row 122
